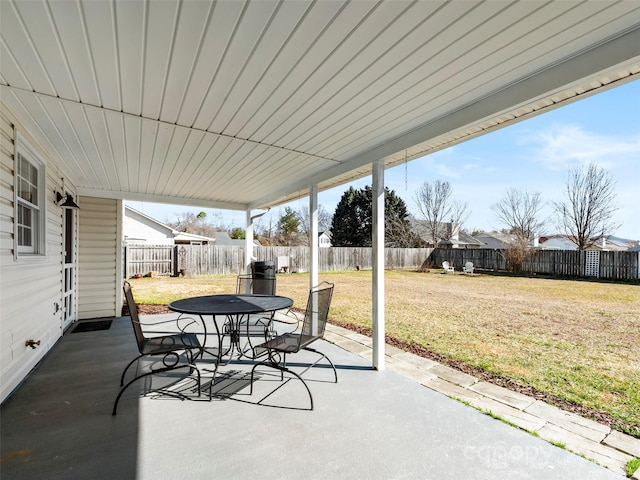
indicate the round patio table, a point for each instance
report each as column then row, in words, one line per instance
column 235, row 308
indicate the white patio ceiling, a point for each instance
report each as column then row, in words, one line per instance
column 245, row 104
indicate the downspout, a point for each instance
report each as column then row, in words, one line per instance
column 248, row 239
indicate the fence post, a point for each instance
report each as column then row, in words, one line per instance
column 174, row 264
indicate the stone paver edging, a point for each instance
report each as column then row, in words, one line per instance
column 585, row 437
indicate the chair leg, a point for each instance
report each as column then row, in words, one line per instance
column 122, row 390
column 127, row 368
column 335, row 373
column 282, row 370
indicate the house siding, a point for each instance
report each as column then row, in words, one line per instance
column 30, row 288
column 99, row 258
column 141, row 230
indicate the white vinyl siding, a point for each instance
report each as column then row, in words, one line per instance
column 98, row 258
column 141, row 230
column 29, row 291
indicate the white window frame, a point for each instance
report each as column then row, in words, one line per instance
column 37, row 206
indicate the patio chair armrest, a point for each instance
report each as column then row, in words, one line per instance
column 288, row 317
column 194, row 324
column 180, row 325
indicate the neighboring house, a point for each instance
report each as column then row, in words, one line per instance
column 563, row 242
column 556, row 242
column 495, row 240
column 222, row 238
column 462, row 240
column 140, row 229
column 324, row 239
column 449, row 235
column 616, row 243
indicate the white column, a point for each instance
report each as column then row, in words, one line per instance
column 378, row 264
column 248, row 244
column 313, row 236
column 314, row 268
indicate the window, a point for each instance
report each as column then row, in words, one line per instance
column 29, row 202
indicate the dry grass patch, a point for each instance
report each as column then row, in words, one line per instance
column 575, row 341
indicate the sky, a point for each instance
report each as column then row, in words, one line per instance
column 533, row 155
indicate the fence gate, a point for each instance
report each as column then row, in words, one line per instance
column 592, row 263
column 142, row 259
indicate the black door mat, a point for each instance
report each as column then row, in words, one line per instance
column 92, row 326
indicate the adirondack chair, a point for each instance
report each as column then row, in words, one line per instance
column 447, row 268
column 468, row 267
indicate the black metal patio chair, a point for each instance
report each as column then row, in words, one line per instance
column 313, row 327
column 255, row 285
column 260, row 327
column 169, row 346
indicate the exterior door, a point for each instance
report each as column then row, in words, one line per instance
column 69, row 268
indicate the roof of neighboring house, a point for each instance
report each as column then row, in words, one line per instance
column 464, row 240
column 495, row 239
column 222, row 238
column 178, row 236
column 192, row 237
column 133, row 212
column 610, row 243
column 556, row 242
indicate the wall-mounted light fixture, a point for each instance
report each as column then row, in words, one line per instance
column 68, row 200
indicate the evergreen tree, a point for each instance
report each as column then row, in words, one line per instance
column 352, row 224
column 288, row 226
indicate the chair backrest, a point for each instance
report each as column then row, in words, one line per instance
column 133, row 314
column 317, row 312
column 469, row 265
column 445, row 265
column 249, row 285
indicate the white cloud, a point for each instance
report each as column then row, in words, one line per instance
column 564, row 145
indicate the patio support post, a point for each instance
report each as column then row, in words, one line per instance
column 313, row 236
column 248, row 244
column 313, row 246
column 378, row 264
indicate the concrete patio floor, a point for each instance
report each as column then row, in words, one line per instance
column 369, row 425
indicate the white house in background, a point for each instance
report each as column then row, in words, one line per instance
column 140, row 229
column 495, row 240
column 324, row 239
column 556, row 242
column 562, row 242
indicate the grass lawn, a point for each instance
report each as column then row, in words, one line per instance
column 575, row 341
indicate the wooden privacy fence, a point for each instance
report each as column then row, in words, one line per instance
column 211, row 259
column 610, row 265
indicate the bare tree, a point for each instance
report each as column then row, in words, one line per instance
column 324, row 222
column 199, row 224
column 436, row 207
column 399, row 233
column 586, row 214
column 519, row 210
column 265, row 230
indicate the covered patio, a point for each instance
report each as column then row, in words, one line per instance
column 368, row 425
column 248, row 105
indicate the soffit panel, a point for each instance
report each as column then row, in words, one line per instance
column 229, row 101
